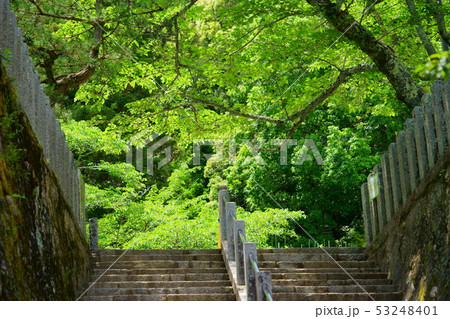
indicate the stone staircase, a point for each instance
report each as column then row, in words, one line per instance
column 200, row 275
column 310, row 274
column 159, row 275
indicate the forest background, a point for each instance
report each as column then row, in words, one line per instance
column 255, row 79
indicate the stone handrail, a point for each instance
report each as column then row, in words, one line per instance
column 241, row 256
column 416, row 150
column 41, row 115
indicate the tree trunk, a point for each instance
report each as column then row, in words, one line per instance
column 384, row 57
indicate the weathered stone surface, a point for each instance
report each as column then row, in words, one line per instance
column 43, row 254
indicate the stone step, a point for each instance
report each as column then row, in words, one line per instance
column 185, row 257
column 390, row 296
column 325, row 282
column 321, row 270
column 158, row 271
column 315, row 250
column 158, row 291
column 333, row 289
column 153, row 252
column 160, row 284
column 168, row 297
column 315, row 264
column 166, row 277
column 312, row 275
column 137, row 264
column 295, row 257
column 198, row 297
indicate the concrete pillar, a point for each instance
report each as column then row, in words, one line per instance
column 439, row 119
column 230, row 209
column 387, row 185
column 223, row 198
column 381, row 203
column 395, row 177
column 402, row 155
column 366, row 213
column 430, row 135
column 93, row 234
column 411, row 151
column 419, row 135
column 263, row 282
column 250, row 274
column 239, row 227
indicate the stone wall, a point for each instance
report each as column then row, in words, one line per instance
column 414, row 245
column 43, row 253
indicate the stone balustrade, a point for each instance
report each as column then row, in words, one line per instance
column 240, row 254
column 417, row 148
column 36, row 105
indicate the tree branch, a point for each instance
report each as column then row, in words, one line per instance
column 387, row 61
column 343, row 75
column 217, row 106
column 440, row 21
column 420, row 31
column 300, row 116
column 71, row 18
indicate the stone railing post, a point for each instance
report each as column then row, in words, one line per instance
column 386, row 176
column 411, row 152
column 395, row 177
column 263, row 282
column 223, row 198
column 239, row 228
column 439, row 118
column 366, row 213
column 250, row 275
column 419, row 136
column 381, row 203
column 430, row 135
column 93, row 234
column 373, row 206
column 230, row 209
column 82, row 206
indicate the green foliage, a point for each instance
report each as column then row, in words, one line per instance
column 187, row 71
column 438, row 68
